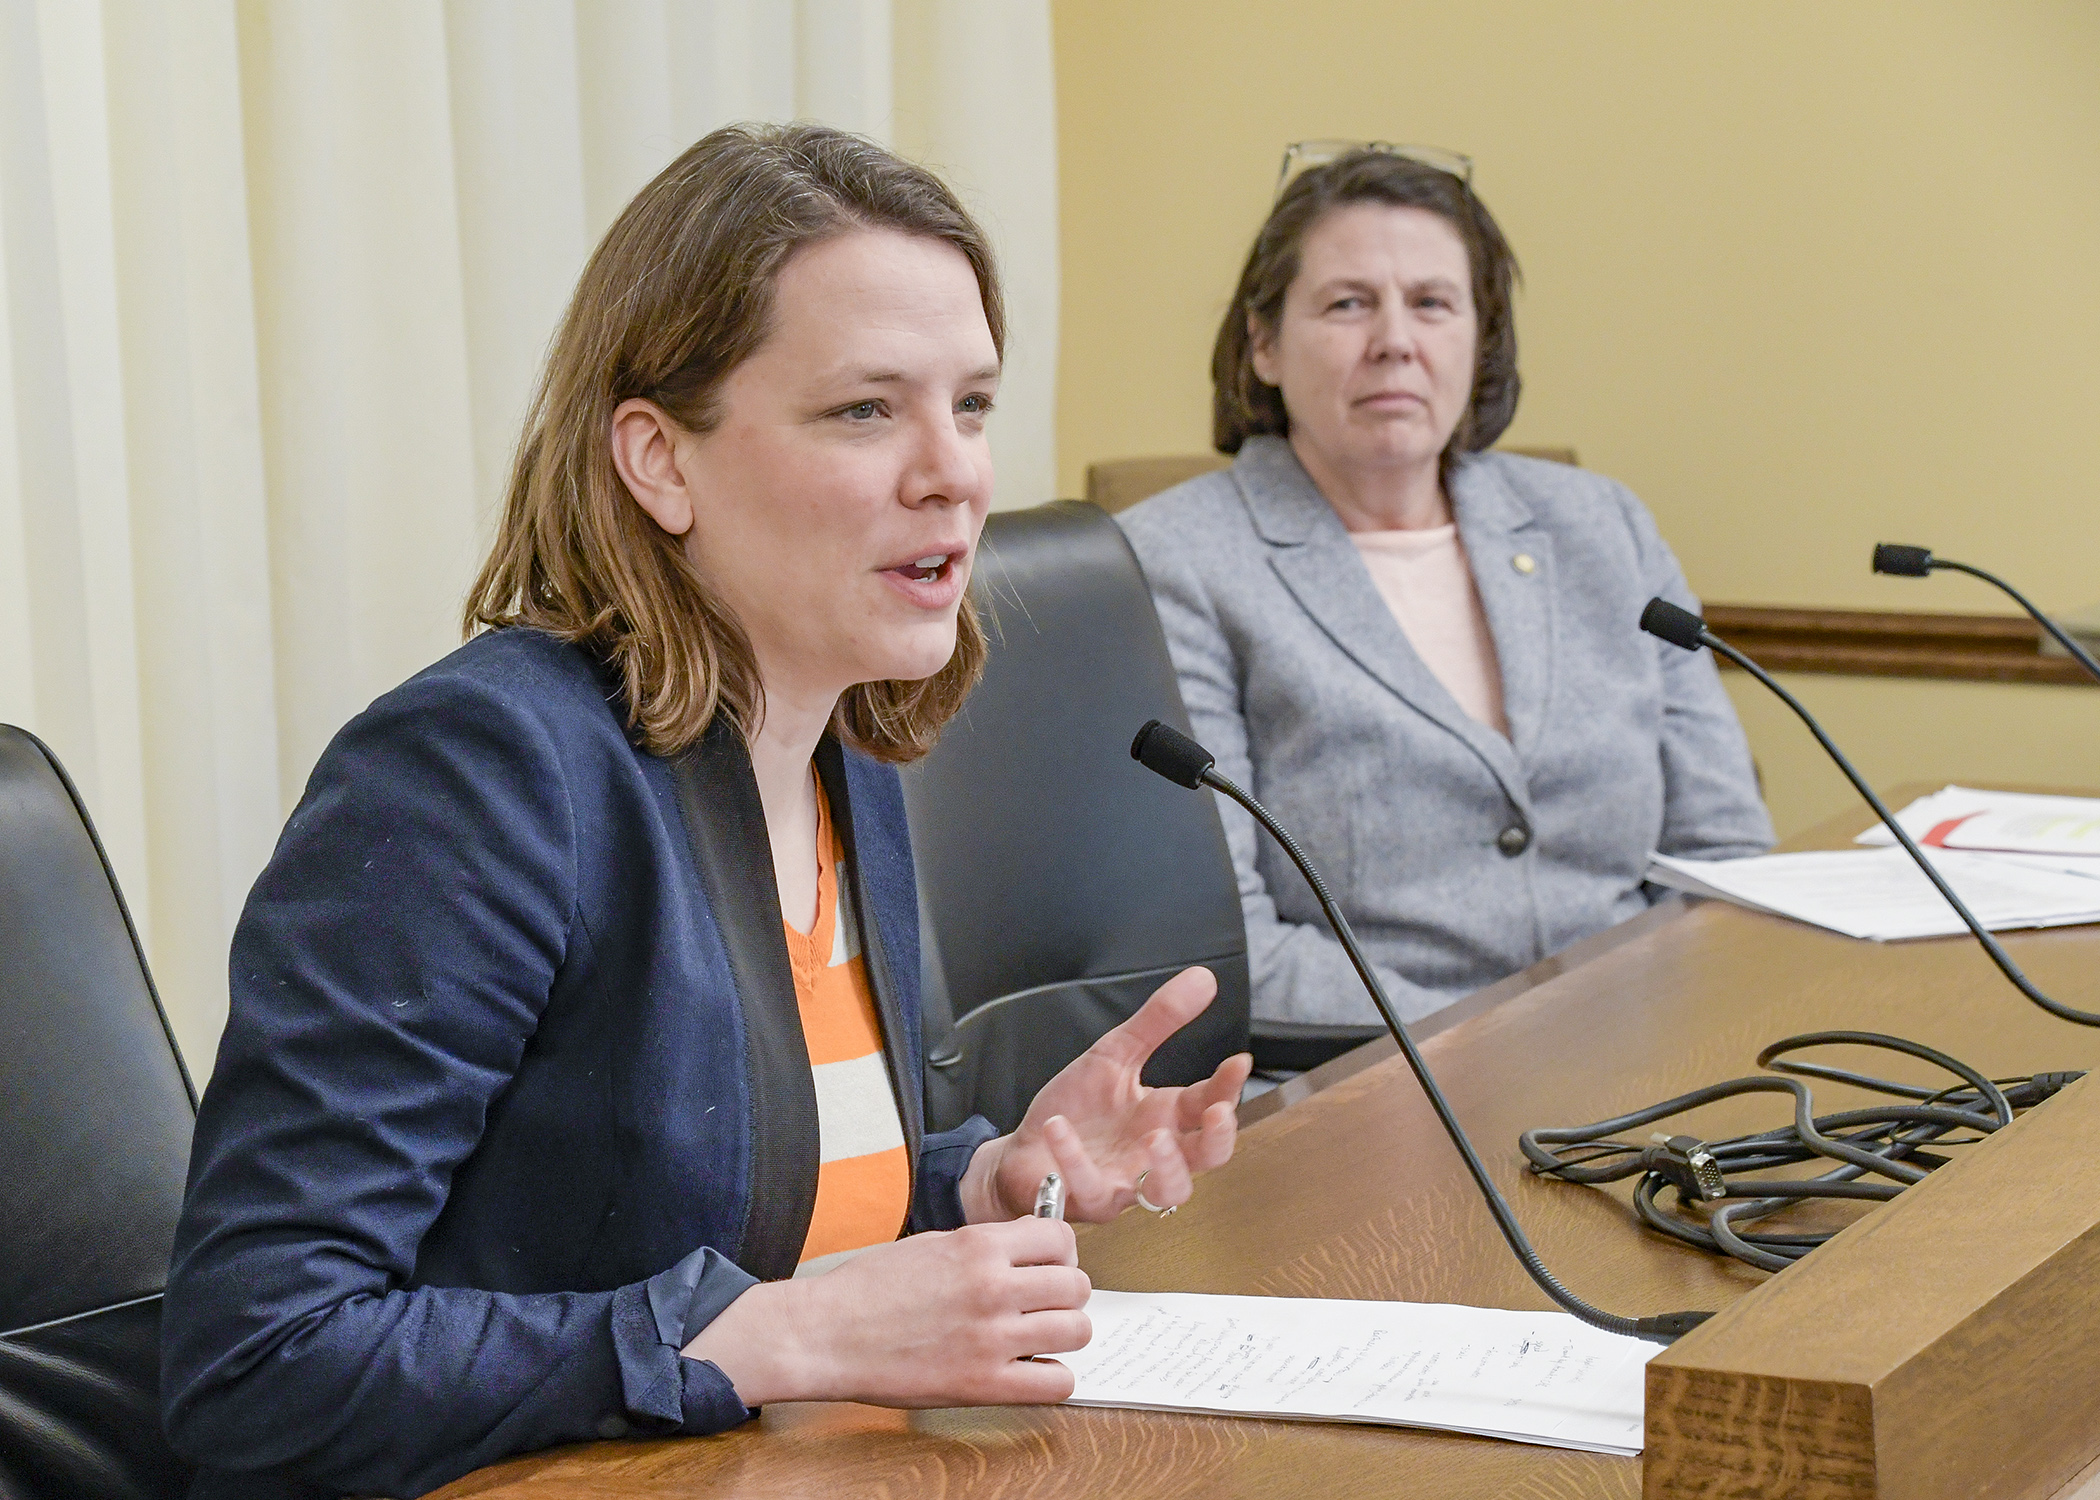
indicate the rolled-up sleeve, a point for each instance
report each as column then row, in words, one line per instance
column 387, row 975
column 943, row 1159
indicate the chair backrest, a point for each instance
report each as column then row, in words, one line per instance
column 1061, row 882
column 1119, row 483
column 95, row 1119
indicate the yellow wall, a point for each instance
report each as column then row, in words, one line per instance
column 1806, row 275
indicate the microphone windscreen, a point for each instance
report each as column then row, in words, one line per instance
column 1904, row 562
column 1680, row 627
column 1166, row 750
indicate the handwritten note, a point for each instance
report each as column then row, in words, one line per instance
column 1532, row 1377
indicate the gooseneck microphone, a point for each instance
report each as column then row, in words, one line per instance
column 1172, row 754
column 1680, row 627
column 1900, row 561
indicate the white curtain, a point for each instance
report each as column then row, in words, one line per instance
column 275, row 276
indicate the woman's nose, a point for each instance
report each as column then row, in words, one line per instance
column 946, row 467
column 1392, row 337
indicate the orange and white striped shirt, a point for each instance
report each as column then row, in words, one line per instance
column 863, row 1180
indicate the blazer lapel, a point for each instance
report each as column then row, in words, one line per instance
column 885, row 924
column 1513, row 568
column 725, row 825
column 1311, row 553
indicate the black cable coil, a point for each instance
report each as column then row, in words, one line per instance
column 1716, row 1186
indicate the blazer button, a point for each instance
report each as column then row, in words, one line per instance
column 1513, row 840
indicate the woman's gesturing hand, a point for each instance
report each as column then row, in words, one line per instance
column 953, row 1319
column 942, row 1319
column 1101, row 1129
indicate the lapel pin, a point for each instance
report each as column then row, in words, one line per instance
column 1524, row 562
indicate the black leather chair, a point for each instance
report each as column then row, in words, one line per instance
column 95, row 1118
column 1060, row 882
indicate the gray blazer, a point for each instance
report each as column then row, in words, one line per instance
column 1459, row 856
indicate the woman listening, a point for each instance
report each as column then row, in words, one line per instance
column 576, row 1008
column 1423, row 656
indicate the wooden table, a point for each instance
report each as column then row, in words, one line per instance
column 1343, row 1186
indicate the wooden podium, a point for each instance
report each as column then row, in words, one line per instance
column 1947, row 1344
column 1944, row 1347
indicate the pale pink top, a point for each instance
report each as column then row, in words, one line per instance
column 1425, row 582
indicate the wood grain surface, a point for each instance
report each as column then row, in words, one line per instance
column 1352, row 1191
column 1857, row 1372
column 1890, row 643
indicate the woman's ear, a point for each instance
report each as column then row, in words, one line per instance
column 644, row 450
column 1261, row 350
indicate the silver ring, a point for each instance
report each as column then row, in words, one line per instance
column 1146, row 1203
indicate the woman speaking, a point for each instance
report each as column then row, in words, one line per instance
column 577, row 1006
column 1424, row 657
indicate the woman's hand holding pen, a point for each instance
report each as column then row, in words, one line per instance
column 942, row 1319
column 1102, row 1130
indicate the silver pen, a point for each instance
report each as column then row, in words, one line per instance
column 1050, row 1198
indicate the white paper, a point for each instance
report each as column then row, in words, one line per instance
column 1532, row 1377
column 2050, row 833
column 1880, row 894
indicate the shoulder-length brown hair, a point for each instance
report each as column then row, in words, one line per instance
column 676, row 296
column 1243, row 405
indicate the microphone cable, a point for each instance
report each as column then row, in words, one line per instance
column 1680, row 627
column 1719, row 1188
column 1899, row 560
column 1168, row 752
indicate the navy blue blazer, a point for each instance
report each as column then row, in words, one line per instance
column 513, row 1097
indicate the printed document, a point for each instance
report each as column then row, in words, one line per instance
column 1881, row 894
column 1531, row 1377
column 2047, row 833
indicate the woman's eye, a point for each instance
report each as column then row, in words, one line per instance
column 975, row 406
column 863, row 411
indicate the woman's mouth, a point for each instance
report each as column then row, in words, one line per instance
column 932, row 580
column 929, row 569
